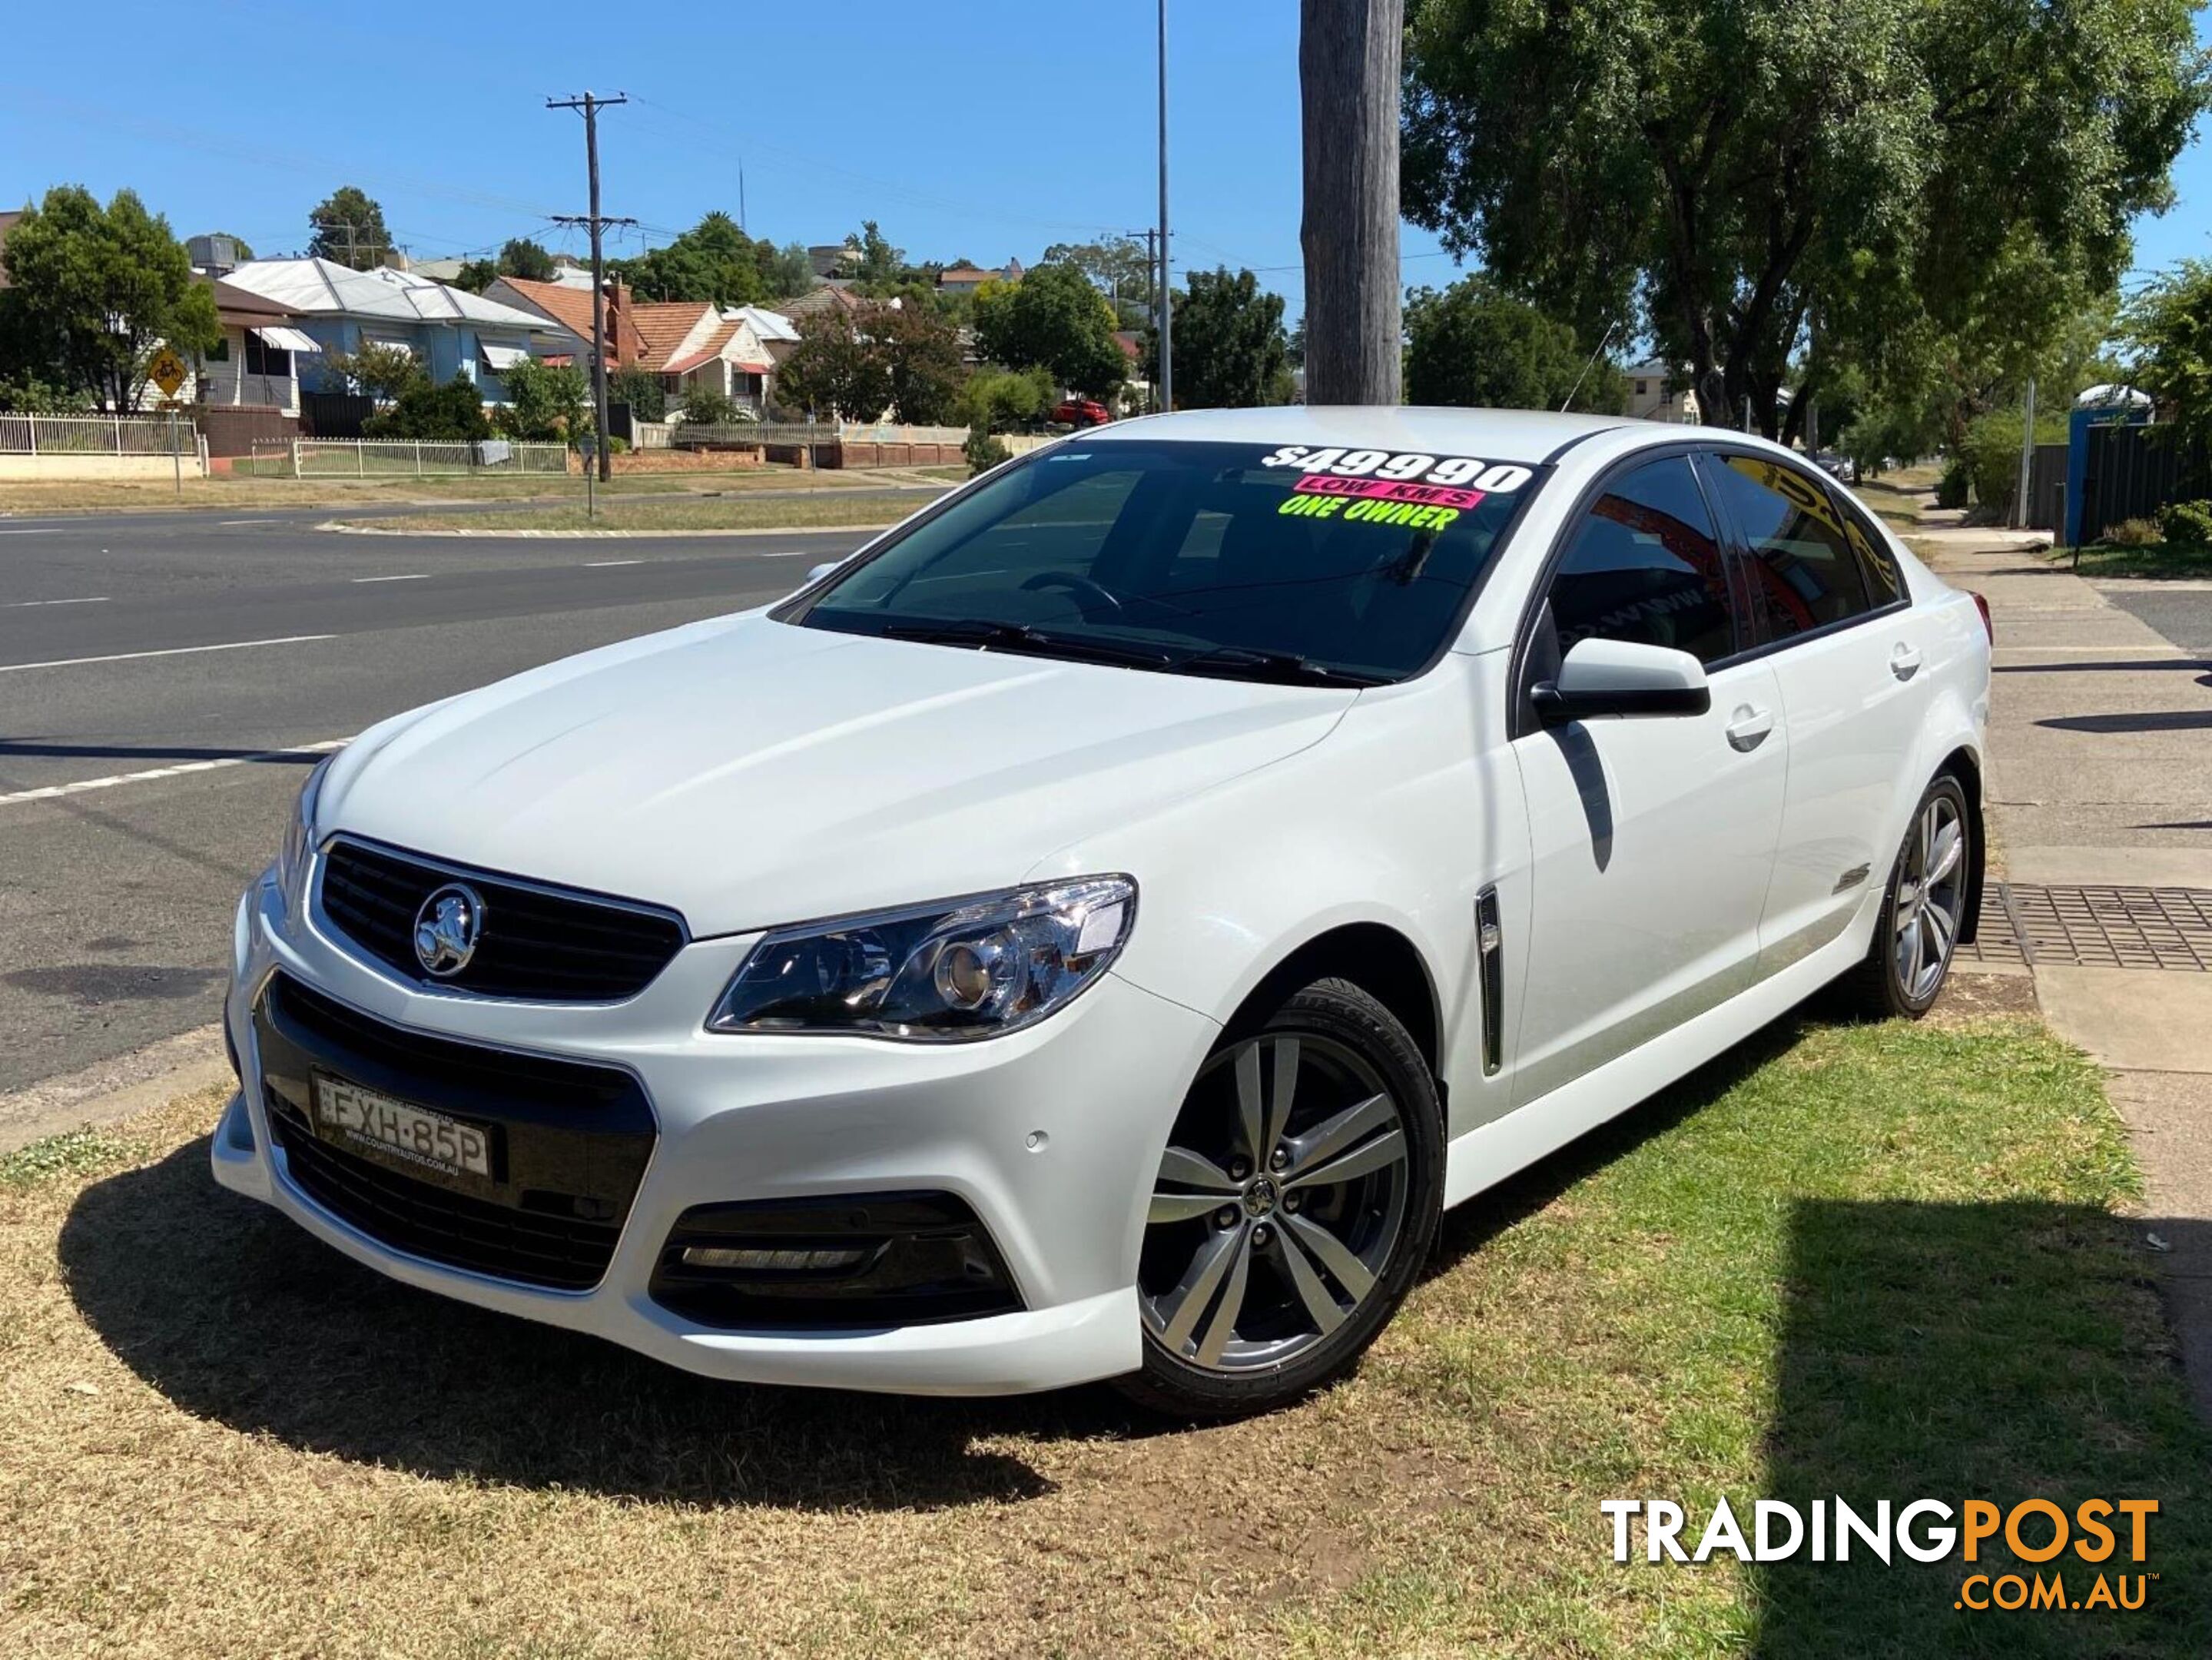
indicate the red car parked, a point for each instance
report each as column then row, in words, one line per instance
column 1082, row 412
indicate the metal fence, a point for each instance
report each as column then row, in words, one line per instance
column 402, row 457
column 96, row 434
column 2132, row 472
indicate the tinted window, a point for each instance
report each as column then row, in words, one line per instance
column 1802, row 569
column 1884, row 585
column 1358, row 563
column 1645, row 566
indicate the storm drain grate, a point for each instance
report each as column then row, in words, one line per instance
column 2111, row 928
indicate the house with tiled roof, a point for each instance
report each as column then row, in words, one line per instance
column 690, row 344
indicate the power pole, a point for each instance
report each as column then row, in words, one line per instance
column 590, row 107
column 1151, row 235
column 1165, row 301
column 1348, row 63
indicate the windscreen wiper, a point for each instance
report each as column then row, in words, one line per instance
column 1286, row 667
column 991, row 635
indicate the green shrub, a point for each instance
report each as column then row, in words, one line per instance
column 710, row 408
column 616, row 443
column 451, row 411
column 2187, row 524
column 1991, row 455
column 2135, row 533
column 1953, row 487
column 983, row 451
column 642, row 390
column 547, row 403
column 1007, row 400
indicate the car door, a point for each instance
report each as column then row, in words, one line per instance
column 1652, row 838
column 1834, row 622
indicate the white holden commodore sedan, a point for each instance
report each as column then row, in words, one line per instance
column 1094, row 931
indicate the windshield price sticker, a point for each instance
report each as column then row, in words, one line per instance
column 1400, row 467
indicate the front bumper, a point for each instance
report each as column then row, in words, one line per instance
column 1050, row 1135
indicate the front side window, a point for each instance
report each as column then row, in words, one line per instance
column 1310, row 565
column 1645, row 565
column 1802, row 566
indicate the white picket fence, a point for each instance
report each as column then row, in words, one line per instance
column 404, row 457
column 96, row 434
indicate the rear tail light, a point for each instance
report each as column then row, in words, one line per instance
column 1988, row 627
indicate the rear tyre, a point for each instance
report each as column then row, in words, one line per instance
column 1295, row 1202
column 1920, row 914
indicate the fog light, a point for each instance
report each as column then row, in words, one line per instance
column 770, row 1262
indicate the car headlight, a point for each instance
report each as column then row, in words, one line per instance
column 965, row 969
column 300, row 836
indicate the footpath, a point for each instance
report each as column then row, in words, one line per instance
column 2099, row 788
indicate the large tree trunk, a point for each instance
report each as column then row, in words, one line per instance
column 1348, row 59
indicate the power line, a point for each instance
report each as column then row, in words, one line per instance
column 589, row 106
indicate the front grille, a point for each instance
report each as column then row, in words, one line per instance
column 444, row 1227
column 570, row 1142
column 542, row 944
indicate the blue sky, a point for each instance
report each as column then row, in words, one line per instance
column 983, row 130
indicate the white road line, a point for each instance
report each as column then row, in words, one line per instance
column 26, row 604
column 170, row 651
column 604, row 565
column 412, row 577
column 78, row 787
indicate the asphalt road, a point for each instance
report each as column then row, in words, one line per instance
column 2182, row 614
column 135, row 644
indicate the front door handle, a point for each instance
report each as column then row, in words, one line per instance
column 1747, row 727
column 1904, row 661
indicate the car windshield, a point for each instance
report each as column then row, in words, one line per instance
column 1294, row 563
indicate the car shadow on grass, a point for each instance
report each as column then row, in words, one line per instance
column 237, row 1315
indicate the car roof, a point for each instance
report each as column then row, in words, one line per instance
column 1525, row 436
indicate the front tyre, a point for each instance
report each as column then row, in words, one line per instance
column 1920, row 914
column 1296, row 1200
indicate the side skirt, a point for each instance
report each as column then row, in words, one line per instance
column 1490, row 1152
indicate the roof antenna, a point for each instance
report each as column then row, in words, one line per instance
column 1579, row 379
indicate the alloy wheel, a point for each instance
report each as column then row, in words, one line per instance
column 1280, row 1197
column 1930, row 882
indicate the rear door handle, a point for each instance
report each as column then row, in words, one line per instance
column 1747, row 727
column 1904, row 661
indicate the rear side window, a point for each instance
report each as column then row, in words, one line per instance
column 1802, row 566
column 1645, row 566
column 1877, row 566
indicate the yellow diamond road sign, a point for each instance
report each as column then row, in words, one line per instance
column 166, row 371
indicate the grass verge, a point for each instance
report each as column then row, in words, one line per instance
column 2152, row 564
column 689, row 514
column 1898, row 497
column 241, row 492
column 1882, row 1261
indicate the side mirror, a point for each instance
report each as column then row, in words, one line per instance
column 1620, row 677
column 821, row 571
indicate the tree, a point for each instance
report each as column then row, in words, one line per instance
column 379, row 371
column 1475, row 346
column 1759, row 185
column 450, row 412
column 531, row 261
column 2169, row 328
column 1005, row 400
column 879, row 265
column 477, row 274
column 920, row 348
column 92, row 292
column 642, row 390
column 547, row 403
column 713, row 261
column 1053, row 317
column 836, row 368
column 785, row 271
column 1119, row 266
column 1231, row 351
column 347, row 226
column 1348, row 76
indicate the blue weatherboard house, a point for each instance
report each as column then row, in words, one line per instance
column 452, row 332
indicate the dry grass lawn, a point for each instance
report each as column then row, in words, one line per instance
column 694, row 512
column 240, row 492
column 1881, row 1261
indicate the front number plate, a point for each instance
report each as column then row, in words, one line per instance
column 347, row 1112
